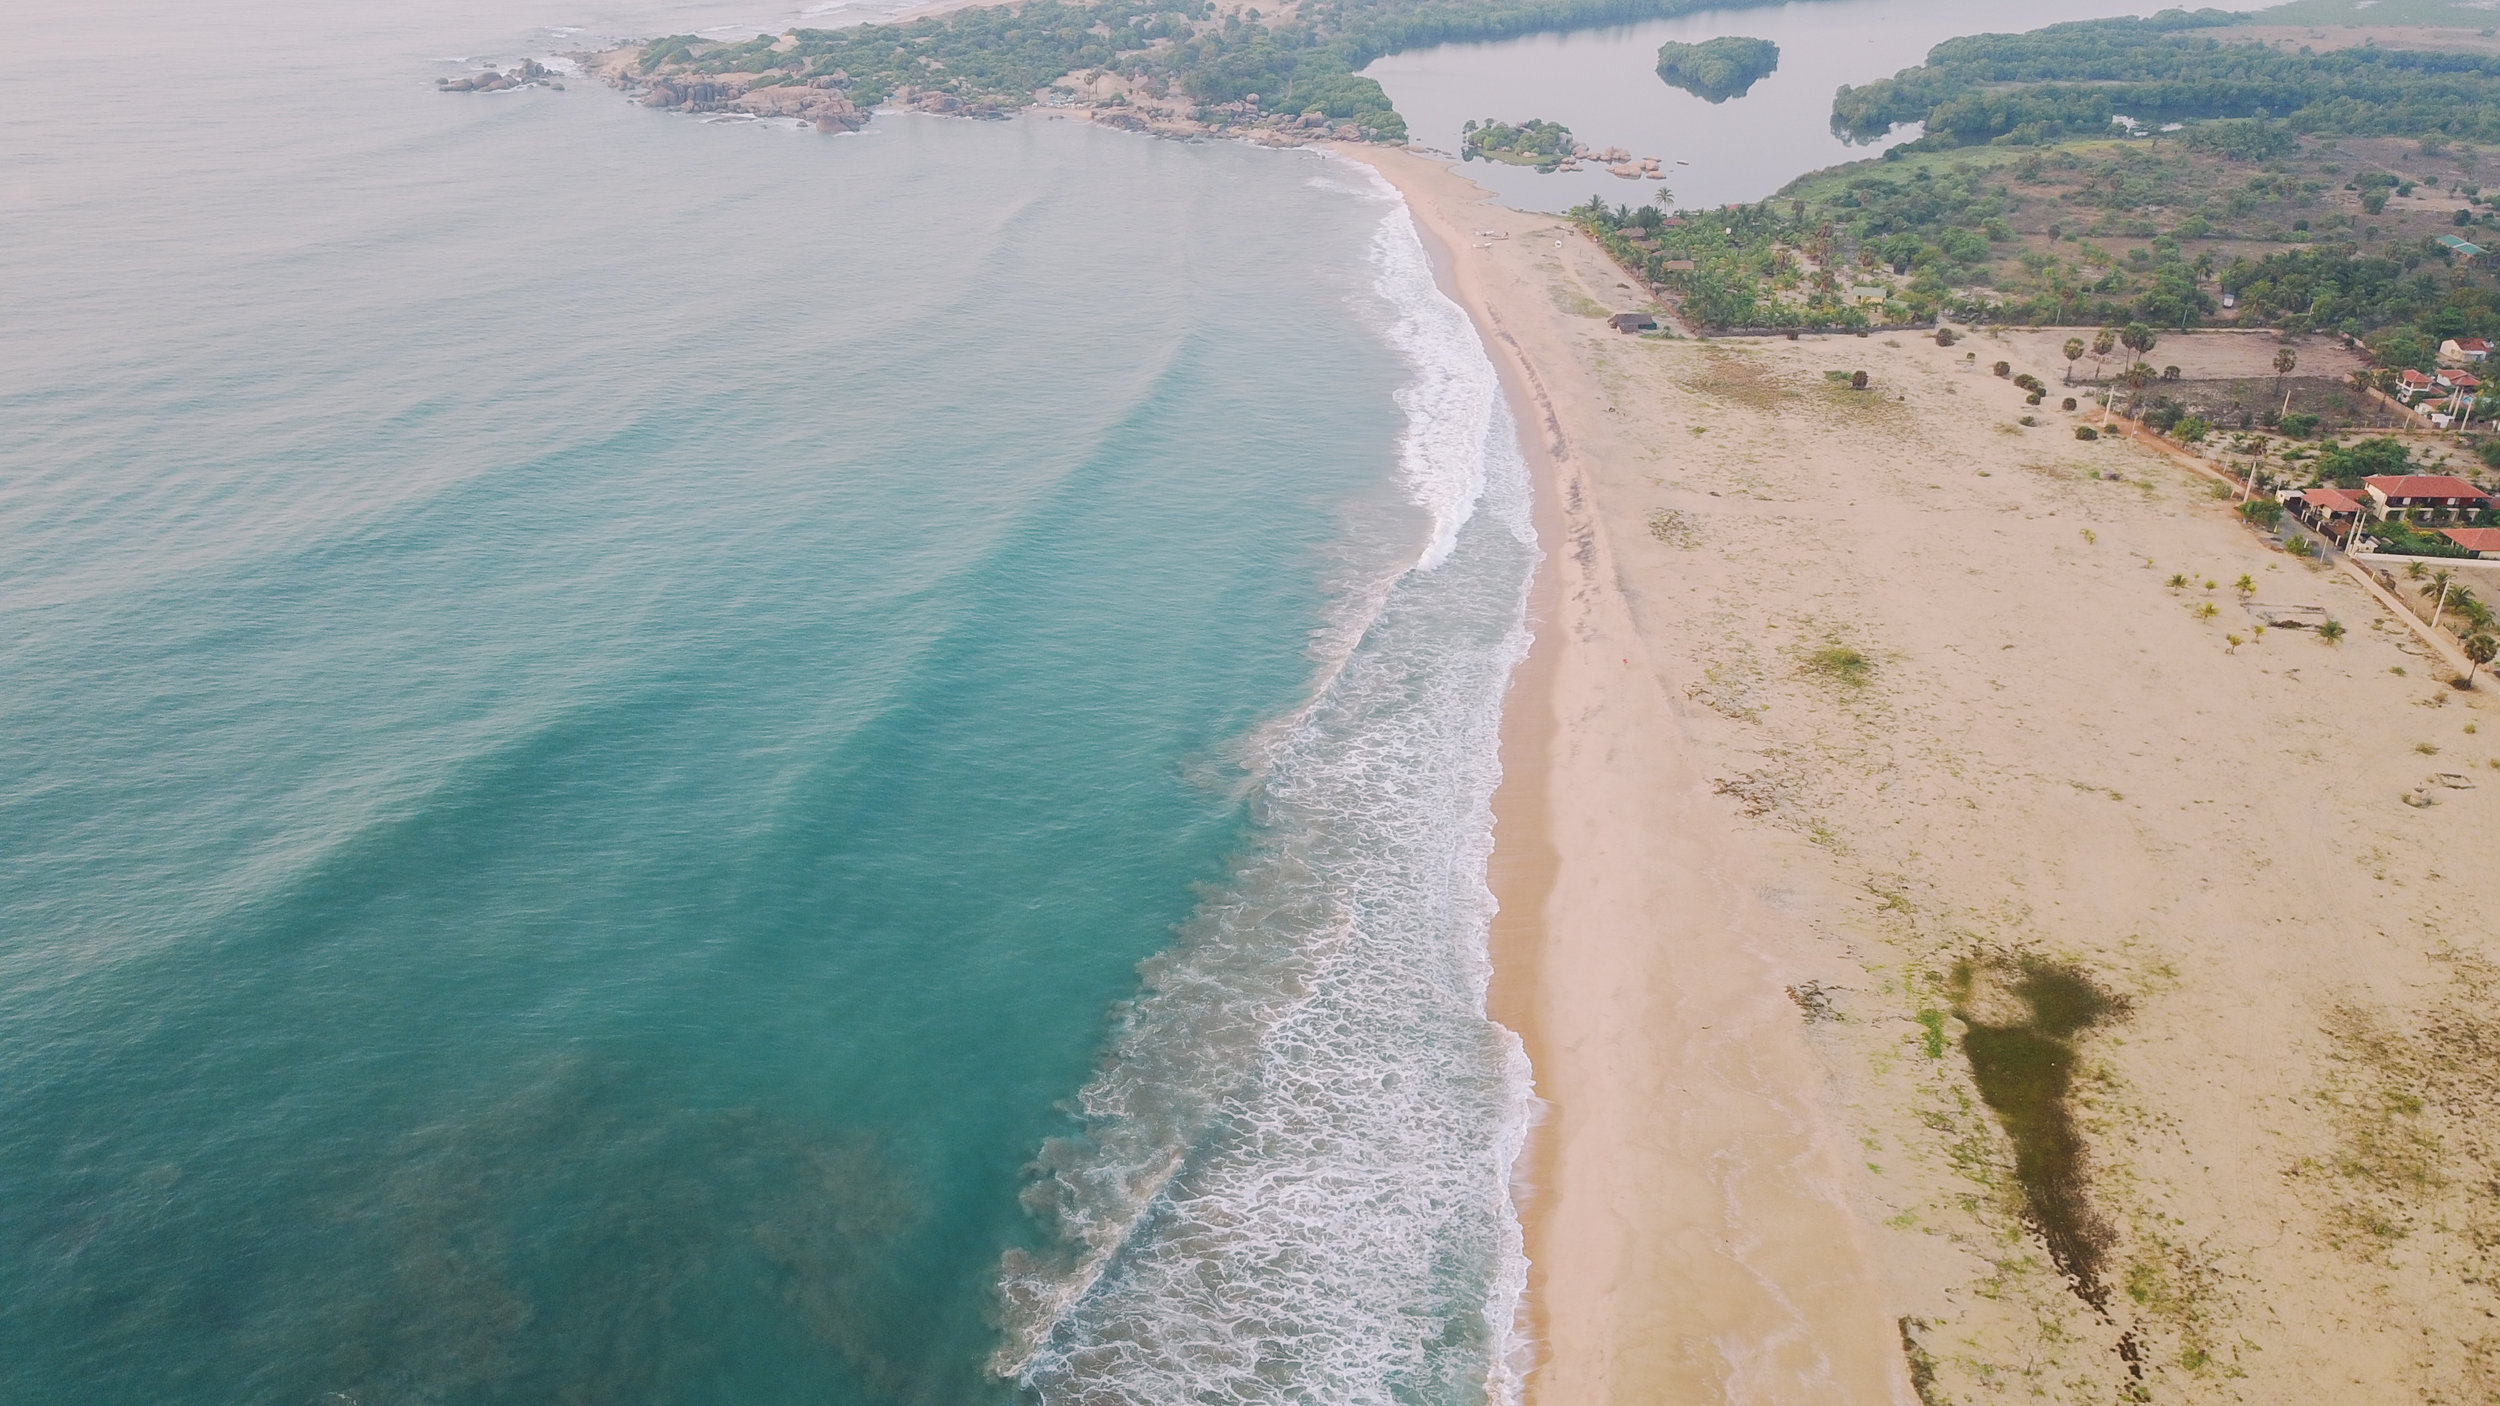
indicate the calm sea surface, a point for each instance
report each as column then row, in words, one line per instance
column 601, row 711
column 1604, row 85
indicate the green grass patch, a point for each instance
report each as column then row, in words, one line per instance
column 1932, row 1021
column 1841, row 664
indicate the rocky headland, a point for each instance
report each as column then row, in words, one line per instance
column 811, row 76
column 825, row 100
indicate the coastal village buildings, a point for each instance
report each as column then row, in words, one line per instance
column 2459, row 351
column 2483, row 542
column 2429, row 495
column 2451, row 394
column 2332, row 511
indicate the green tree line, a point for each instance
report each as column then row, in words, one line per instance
column 2074, row 78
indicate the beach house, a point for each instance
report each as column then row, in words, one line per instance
column 2461, row 351
column 2412, row 385
column 2483, row 542
column 2405, row 495
column 2330, row 510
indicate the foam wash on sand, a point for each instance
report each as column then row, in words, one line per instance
column 1293, row 1181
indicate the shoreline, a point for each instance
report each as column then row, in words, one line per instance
column 1521, row 869
column 1855, row 716
column 1577, row 963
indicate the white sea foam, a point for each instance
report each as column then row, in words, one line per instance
column 1293, row 1181
column 1449, row 405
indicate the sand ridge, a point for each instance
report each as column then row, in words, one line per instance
column 1849, row 699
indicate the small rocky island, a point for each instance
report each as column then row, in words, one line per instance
column 1718, row 69
column 1535, row 142
column 1550, row 147
column 528, row 73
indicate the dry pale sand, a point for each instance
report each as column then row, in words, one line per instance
column 1738, row 883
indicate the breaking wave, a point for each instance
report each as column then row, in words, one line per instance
column 1292, row 1180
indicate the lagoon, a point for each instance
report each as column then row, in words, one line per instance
column 1603, row 84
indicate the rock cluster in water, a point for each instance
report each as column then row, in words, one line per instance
column 1616, row 160
column 528, row 73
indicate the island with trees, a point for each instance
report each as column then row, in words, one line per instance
column 1535, row 142
column 1718, row 69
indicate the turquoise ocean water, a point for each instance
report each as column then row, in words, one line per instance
column 650, row 760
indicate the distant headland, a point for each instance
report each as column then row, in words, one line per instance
column 1180, row 68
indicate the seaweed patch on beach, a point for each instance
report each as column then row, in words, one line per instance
column 1738, row 379
column 2022, row 1018
column 1841, row 665
column 1675, row 527
column 2410, row 1095
column 1869, row 404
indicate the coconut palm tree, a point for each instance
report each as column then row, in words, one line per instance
column 2284, row 362
column 2074, row 353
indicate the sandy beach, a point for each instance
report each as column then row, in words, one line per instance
column 1859, row 720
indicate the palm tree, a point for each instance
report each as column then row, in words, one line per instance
column 2137, row 338
column 2102, row 342
column 2074, row 353
column 2475, row 614
column 2360, row 381
column 2442, row 578
column 2284, row 361
column 2386, row 382
column 2136, row 378
column 2478, row 652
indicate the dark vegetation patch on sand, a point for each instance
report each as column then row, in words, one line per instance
column 2022, row 1018
column 1739, row 380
